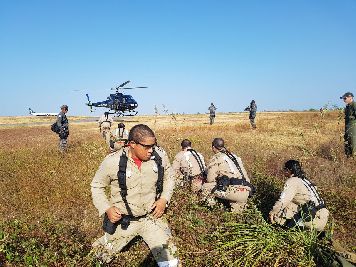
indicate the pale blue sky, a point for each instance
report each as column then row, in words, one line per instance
column 284, row 54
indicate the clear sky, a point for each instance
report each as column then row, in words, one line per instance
column 294, row 54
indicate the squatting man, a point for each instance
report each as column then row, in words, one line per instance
column 141, row 184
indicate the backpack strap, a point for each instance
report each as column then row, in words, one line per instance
column 159, row 184
column 122, row 180
column 245, row 182
column 121, row 174
column 317, row 200
column 234, row 160
column 198, row 159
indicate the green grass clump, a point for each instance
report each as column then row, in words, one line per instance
column 262, row 244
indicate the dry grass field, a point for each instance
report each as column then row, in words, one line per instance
column 47, row 217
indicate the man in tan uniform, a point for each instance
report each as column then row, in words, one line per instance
column 299, row 203
column 227, row 179
column 105, row 123
column 189, row 165
column 118, row 138
column 141, row 185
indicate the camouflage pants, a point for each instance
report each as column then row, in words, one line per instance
column 63, row 145
column 156, row 234
column 252, row 122
column 350, row 140
column 212, row 118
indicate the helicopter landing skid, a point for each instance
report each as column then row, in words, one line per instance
column 131, row 114
column 122, row 114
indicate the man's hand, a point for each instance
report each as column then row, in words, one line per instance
column 158, row 208
column 271, row 218
column 114, row 214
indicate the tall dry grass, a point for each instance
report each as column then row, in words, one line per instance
column 46, row 211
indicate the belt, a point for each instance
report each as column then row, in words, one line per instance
column 133, row 218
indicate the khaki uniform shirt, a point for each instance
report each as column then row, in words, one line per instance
column 115, row 136
column 119, row 142
column 185, row 163
column 141, row 184
column 220, row 164
column 294, row 192
column 105, row 122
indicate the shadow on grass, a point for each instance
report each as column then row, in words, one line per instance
column 267, row 193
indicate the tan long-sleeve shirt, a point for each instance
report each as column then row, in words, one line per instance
column 220, row 164
column 141, row 184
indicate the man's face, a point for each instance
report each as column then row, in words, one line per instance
column 143, row 150
column 348, row 99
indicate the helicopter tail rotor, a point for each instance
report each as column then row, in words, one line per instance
column 89, row 103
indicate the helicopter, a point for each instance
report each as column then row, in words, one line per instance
column 118, row 103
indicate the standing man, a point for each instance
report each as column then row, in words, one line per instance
column 141, row 185
column 227, row 179
column 189, row 165
column 212, row 109
column 105, row 124
column 253, row 111
column 118, row 137
column 350, row 124
column 62, row 123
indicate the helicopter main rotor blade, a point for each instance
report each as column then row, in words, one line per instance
column 123, row 84
column 129, row 88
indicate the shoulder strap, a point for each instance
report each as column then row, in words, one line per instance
column 122, row 180
column 311, row 188
column 198, row 159
column 159, row 184
column 234, row 160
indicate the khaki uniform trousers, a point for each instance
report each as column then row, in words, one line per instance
column 237, row 196
column 105, row 129
column 318, row 223
column 156, row 234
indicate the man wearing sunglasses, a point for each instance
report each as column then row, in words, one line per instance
column 350, row 124
column 141, row 184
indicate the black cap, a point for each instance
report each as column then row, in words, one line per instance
column 347, row 95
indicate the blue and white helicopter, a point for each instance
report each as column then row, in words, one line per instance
column 118, row 103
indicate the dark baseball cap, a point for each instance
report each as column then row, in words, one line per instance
column 347, row 95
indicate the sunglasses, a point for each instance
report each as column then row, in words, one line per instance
column 146, row 146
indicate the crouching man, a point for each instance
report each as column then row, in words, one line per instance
column 300, row 203
column 227, row 179
column 141, row 185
